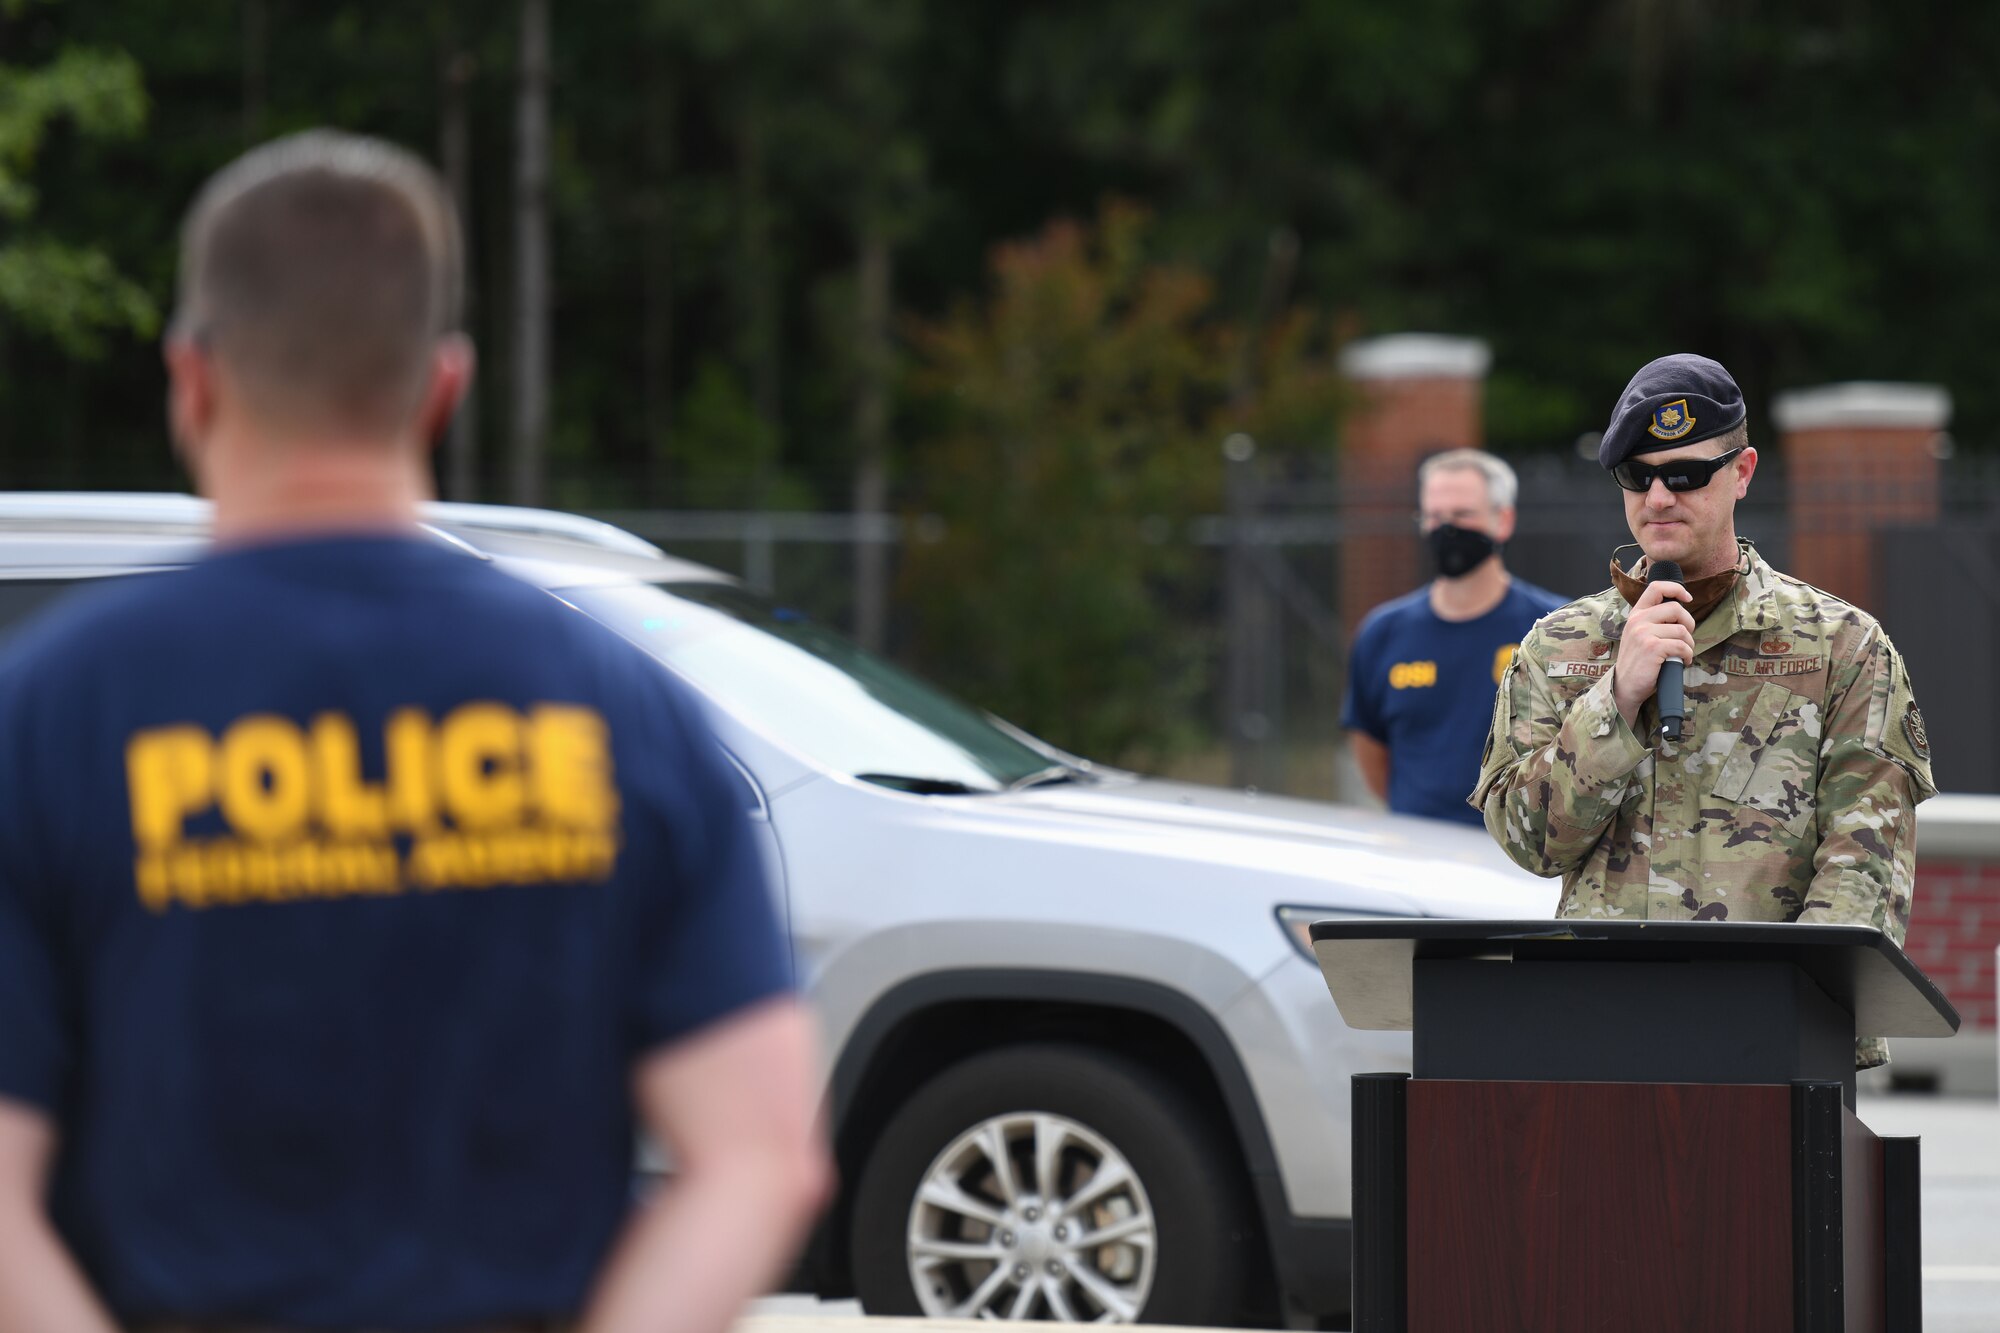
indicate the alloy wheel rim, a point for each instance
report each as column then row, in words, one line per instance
column 1031, row 1215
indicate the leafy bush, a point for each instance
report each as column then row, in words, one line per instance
column 1073, row 427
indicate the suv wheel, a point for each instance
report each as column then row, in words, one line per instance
column 1052, row 1182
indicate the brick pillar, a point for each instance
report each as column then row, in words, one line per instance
column 1414, row 394
column 1857, row 457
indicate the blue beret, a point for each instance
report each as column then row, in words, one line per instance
column 1675, row 400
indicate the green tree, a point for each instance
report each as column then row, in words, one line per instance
column 736, row 192
column 1075, row 417
column 72, row 293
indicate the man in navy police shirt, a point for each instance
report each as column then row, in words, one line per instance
column 357, row 903
column 1424, row 669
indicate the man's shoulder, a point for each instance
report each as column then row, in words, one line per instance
column 93, row 620
column 103, row 631
column 1533, row 603
column 1803, row 608
column 1412, row 608
column 1540, row 598
column 1585, row 620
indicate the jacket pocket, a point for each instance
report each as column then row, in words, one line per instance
column 1773, row 765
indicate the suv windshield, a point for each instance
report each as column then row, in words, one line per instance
column 815, row 691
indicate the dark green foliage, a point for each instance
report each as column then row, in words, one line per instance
column 1074, row 430
column 1069, row 414
column 1805, row 191
column 70, row 294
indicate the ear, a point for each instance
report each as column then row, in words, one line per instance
column 1745, row 468
column 1503, row 524
column 452, row 365
column 191, row 394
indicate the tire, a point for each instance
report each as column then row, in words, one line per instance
column 1100, row 1108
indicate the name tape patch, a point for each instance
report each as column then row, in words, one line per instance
column 1591, row 670
column 1772, row 666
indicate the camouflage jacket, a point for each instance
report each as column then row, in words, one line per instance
column 1792, row 798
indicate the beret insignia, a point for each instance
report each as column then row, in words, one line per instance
column 1671, row 420
column 1913, row 727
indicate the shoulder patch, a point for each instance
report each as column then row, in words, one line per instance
column 1913, row 727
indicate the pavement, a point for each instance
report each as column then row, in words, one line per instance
column 1961, row 1175
column 1961, row 1219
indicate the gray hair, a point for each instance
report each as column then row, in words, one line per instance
column 322, row 269
column 1501, row 485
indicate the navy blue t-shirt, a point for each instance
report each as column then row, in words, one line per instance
column 341, row 883
column 1424, row 687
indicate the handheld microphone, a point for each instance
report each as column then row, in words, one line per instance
column 1673, row 705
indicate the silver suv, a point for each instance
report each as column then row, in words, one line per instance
column 1082, row 1065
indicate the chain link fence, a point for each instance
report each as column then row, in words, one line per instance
column 1263, row 595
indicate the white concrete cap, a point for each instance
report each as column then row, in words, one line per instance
column 1864, row 405
column 1406, row 356
column 1960, row 826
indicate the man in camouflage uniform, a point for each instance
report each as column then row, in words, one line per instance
column 1792, row 795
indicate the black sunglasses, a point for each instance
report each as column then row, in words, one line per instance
column 1682, row 474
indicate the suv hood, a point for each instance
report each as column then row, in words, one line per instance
column 1440, row 869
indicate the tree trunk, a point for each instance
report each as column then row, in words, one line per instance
column 1281, row 261
column 656, row 276
column 455, row 152
column 531, row 256
column 759, row 280
column 873, row 279
column 256, row 48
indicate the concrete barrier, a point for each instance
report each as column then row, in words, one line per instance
column 1955, row 937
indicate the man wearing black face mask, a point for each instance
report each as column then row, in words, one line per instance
column 1422, row 675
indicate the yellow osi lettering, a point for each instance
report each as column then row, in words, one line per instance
column 484, row 766
column 1413, row 675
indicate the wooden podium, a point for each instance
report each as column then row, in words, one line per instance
column 1628, row 1125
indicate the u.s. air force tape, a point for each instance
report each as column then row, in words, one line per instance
column 1772, row 666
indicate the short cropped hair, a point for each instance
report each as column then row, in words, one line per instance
column 1501, row 485
column 321, row 270
column 1738, row 438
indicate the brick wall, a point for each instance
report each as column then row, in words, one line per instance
column 1414, row 394
column 1857, row 457
column 1954, row 929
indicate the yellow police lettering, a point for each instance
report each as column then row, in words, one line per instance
column 479, row 765
column 170, row 774
column 150, row 877
column 265, row 777
column 348, row 806
column 412, row 786
column 488, row 795
column 569, row 750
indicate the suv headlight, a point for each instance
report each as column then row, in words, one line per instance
column 1296, row 922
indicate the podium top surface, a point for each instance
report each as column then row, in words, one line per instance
column 1367, row 963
